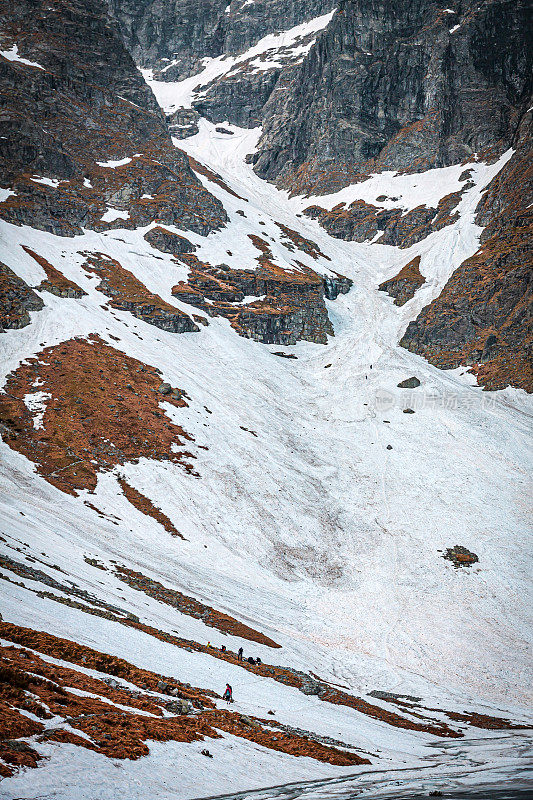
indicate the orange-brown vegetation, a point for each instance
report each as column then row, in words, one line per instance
column 194, row 608
column 404, row 285
column 301, row 243
column 118, row 721
column 145, row 506
column 201, row 169
column 55, row 282
column 292, row 309
column 497, row 339
column 128, row 293
column 103, row 411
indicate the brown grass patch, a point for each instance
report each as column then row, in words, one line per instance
column 103, row 411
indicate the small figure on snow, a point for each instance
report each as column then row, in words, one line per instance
column 239, row 653
column 228, row 694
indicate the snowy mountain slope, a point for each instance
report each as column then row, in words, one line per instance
column 353, row 587
column 168, row 493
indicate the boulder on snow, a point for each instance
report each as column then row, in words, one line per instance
column 180, row 706
column 460, row 556
column 409, row 383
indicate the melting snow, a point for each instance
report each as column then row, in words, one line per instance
column 46, row 181
column 120, row 163
column 36, row 403
column 5, row 193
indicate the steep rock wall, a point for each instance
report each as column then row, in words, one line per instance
column 396, row 85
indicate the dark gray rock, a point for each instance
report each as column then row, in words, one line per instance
column 311, row 687
column 460, row 556
column 483, row 315
column 389, row 85
column 17, row 299
column 175, row 35
column 87, row 106
column 168, row 242
column 183, row 122
column 409, row 383
column 334, row 286
column 179, row 706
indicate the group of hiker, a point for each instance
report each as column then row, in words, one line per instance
column 250, row 659
column 228, row 693
column 240, row 654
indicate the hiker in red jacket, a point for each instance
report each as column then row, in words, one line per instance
column 228, row 694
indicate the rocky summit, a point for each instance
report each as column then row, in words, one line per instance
column 266, row 354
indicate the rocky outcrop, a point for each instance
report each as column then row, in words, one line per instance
column 168, row 242
column 128, row 293
column 460, row 556
column 238, row 97
column 336, row 285
column 183, row 123
column 483, row 316
column 362, row 222
column 409, row 383
column 405, row 284
column 396, row 85
column 288, row 306
column 55, row 282
column 83, row 143
column 175, row 38
column 17, row 299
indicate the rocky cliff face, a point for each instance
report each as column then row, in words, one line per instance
column 395, row 85
column 173, row 36
column 282, row 307
column 483, row 317
column 83, row 142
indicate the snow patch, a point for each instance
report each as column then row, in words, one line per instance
column 13, row 55
column 46, row 181
column 5, row 193
column 114, row 213
column 121, row 162
column 35, row 402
